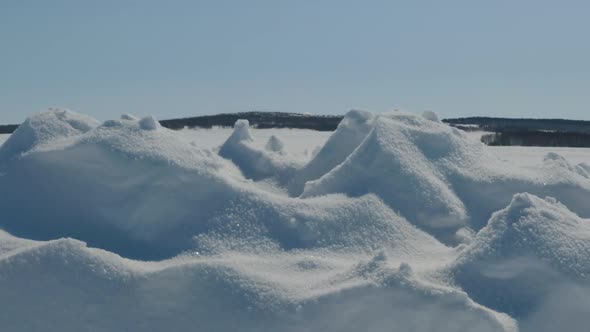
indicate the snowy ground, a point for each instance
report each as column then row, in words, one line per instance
column 392, row 222
column 532, row 155
column 527, row 155
column 301, row 143
column 304, row 143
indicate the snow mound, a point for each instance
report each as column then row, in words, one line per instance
column 127, row 225
column 116, row 187
column 45, row 127
column 335, row 222
column 351, row 131
column 556, row 160
column 77, row 287
column 274, row 144
column 149, row 123
column 256, row 163
column 428, row 296
column 430, row 115
column 147, row 194
column 398, row 162
column 241, row 132
column 440, row 179
column 525, row 251
column 10, row 243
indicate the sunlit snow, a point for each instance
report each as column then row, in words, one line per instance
column 394, row 222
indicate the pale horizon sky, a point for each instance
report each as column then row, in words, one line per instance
column 186, row 58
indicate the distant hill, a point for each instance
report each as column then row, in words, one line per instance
column 259, row 120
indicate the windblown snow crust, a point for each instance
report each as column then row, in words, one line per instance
column 397, row 223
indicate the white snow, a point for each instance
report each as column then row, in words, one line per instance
column 44, row 128
column 351, row 131
column 430, row 115
column 528, row 252
column 300, row 143
column 3, row 138
column 397, row 222
column 147, row 123
column 257, row 163
column 533, row 155
column 274, row 144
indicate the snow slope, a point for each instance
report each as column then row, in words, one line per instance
column 529, row 252
column 350, row 133
column 394, row 161
column 441, row 180
column 3, row 138
column 397, row 223
column 78, row 288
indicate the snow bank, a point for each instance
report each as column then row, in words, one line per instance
column 77, row 288
column 439, row 179
column 117, row 186
column 126, row 225
column 527, row 250
column 555, row 160
column 45, row 127
column 394, row 162
column 146, row 194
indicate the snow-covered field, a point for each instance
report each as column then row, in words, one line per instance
column 299, row 143
column 394, row 222
column 303, row 143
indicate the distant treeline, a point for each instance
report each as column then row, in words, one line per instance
column 505, row 131
column 528, row 132
column 520, row 125
column 259, row 120
column 7, row 129
column 538, row 138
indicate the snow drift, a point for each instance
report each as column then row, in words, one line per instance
column 439, row 179
column 351, row 131
column 397, row 162
column 45, row 127
column 398, row 222
column 76, row 288
column 526, row 251
column 111, row 186
column 144, row 193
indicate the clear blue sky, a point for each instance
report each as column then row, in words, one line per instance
column 525, row 58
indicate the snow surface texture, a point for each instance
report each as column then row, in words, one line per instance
column 397, row 223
